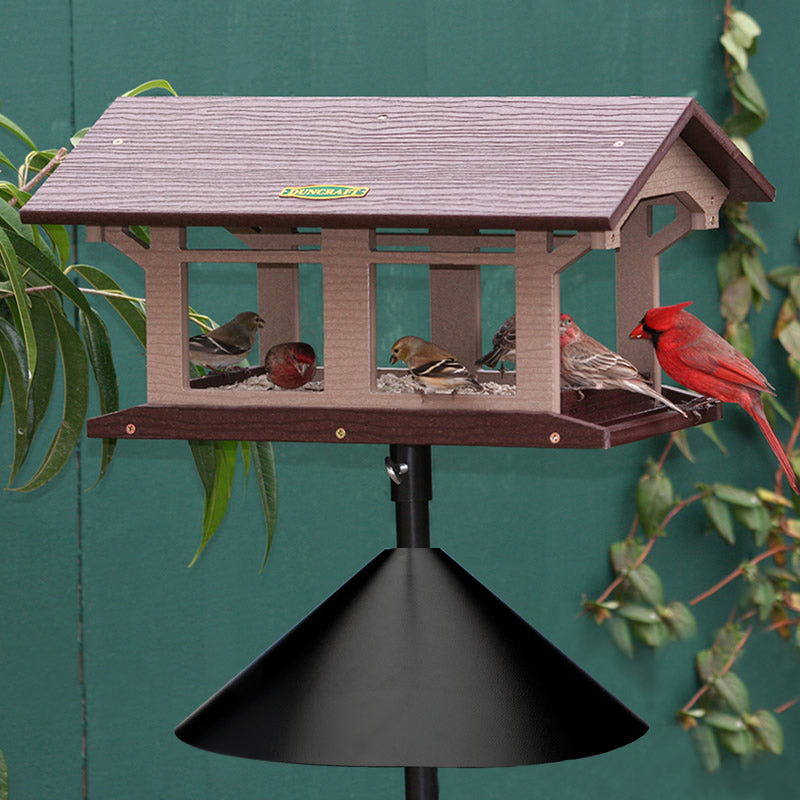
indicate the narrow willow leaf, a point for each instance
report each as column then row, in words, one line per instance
column 60, row 238
column 41, row 386
column 98, row 347
column 4, row 159
column 648, row 584
column 45, row 265
column 9, row 218
column 681, row 439
column 720, row 517
column 245, row 457
column 706, row 743
column 158, row 83
column 16, row 370
column 767, row 730
column 267, row 478
column 8, row 258
column 75, row 368
column 732, row 690
column 621, row 635
column 204, row 460
column 708, row 429
column 130, row 311
column 772, row 403
column 217, row 498
column 12, row 127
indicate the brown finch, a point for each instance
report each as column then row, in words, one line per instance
column 588, row 364
column 291, row 365
column 431, row 366
column 227, row 345
column 504, row 344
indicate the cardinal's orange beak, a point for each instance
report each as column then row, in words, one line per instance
column 639, row 332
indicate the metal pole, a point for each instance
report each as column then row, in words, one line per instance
column 409, row 467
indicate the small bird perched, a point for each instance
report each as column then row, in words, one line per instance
column 588, row 364
column 699, row 358
column 227, row 345
column 504, row 345
column 291, row 365
column 431, row 366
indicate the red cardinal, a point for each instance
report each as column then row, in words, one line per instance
column 700, row 359
column 291, row 365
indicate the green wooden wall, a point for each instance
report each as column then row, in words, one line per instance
column 99, row 573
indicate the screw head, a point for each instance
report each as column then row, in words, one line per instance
column 555, row 437
column 341, row 433
column 130, row 428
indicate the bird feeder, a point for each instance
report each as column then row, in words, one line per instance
column 350, row 183
column 412, row 662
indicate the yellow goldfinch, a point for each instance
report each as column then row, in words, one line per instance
column 227, row 345
column 431, row 366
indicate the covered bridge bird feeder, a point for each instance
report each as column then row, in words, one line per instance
column 533, row 182
column 411, row 662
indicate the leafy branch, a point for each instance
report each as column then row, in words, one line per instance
column 633, row 608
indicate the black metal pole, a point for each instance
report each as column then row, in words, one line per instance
column 409, row 467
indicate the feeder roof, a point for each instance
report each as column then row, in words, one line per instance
column 563, row 163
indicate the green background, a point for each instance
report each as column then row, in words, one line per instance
column 100, row 572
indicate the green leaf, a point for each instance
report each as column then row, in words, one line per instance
column 621, row 635
column 780, row 276
column 45, row 265
column 158, row 83
column 267, row 479
column 729, row 267
column 98, row 346
column 734, row 48
column 680, row 620
column 741, row 337
column 60, row 238
column 9, row 218
column 735, row 496
column 217, row 497
column 748, row 93
column 742, row 743
column 639, row 613
column 732, row 690
column 624, row 554
column 706, row 743
column 754, row 270
column 742, row 123
column 736, row 299
column 789, row 337
column 767, row 730
column 652, row 634
column 8, row 258
column 720, row 517
column 654, row 498
column 708, row 429
column 724, row 721
column 130, row 310
column 706, row 664
column 747, row 231
column 78, row 136
column 12, row 127
column 681, row 439
column 204, row 461
column 647, row 583
column 756, row 520
column 762, row 596
column 744, row 28
column 12, row 351
column 75, row 367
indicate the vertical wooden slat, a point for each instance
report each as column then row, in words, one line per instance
column 278, row 304
column 166, row 286
column 348, row 314
column 538, row 268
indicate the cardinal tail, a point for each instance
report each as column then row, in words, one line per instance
column 756, row 410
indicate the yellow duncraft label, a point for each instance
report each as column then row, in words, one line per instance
column 322, row 191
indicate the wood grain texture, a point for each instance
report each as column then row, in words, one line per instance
column 512, row 162
column 603, row 420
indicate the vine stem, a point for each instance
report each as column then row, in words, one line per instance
column 738, row 571
column 42, row 173
column 728, row 664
